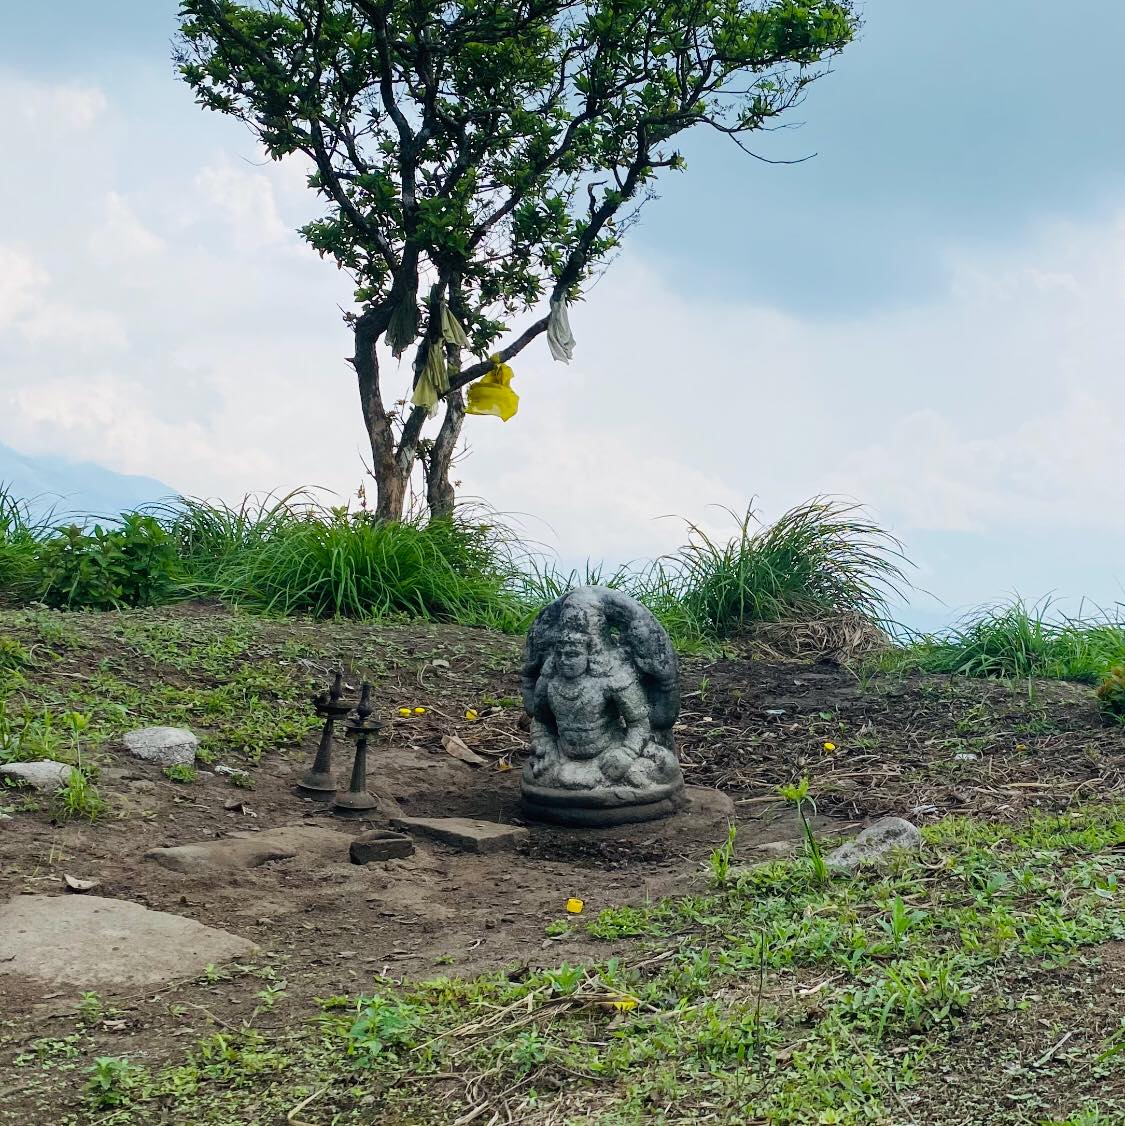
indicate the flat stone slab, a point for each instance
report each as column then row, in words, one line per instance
column 164, row 746
column 45, row 776
column 249, row 850
column 91, row 942
column 380, row 844
column 464, row 833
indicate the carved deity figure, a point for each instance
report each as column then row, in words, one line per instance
column 601, row 685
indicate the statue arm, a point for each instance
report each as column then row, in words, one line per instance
column 632, row 706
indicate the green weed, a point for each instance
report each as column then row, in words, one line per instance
column 798, row 794
column 112, row 1082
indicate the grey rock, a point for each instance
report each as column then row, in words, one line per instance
column 250, row 850
column 380, row 844
column 876, row 843
column 44, row 776
column 164, row 746
column 465, row 833
column 705, row 801
column 91, row 942
column 600, row 681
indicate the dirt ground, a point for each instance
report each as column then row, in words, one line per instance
column 921, row 748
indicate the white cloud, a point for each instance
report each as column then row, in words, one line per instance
column 22, row 281
column 245, row 200
column 31, row 313
column 52, row 107
column 122, row 236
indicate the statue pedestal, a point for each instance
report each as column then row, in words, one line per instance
column 595, row 809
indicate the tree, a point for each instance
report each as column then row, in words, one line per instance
column 477, row 156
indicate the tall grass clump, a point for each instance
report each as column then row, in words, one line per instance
column 332, row 563
column 1020, row 641
column 210, row 535
column 820, row 559
column 20, row 535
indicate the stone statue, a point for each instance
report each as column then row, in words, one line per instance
column 601, row 685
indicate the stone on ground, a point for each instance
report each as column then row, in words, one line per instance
column 705, row 801
column 92, row 942
column 164, row 746
column 45, row 776
column 876, row 843
column 249, row 850
column 380, row 844
column 465, row 833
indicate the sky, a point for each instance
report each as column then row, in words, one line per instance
column 925, row 316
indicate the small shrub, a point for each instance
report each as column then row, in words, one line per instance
column 1111, row 694
column 105, row 569
column 111, row 1082
column 180, row 772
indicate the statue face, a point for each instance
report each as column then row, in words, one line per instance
column 572, row 655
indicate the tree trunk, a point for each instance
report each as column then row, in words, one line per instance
column 386, row 468
column 439, row 489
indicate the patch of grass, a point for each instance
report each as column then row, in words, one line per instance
column 180, row 772
column 78, row 799
column 1089, row 1115
column 31, row 735
column 773, row 997
column 1019, row 642
column 14, row 657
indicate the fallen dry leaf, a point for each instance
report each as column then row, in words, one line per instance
column 458, row 749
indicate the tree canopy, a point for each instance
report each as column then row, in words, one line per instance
column 479, row 157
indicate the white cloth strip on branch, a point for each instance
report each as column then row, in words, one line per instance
column 559, row 337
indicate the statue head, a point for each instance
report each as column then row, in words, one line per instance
column 573, row 645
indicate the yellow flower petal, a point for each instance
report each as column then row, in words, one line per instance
column 829, row 747
column 405, row 712
column 472, row 714
column 574, row 906
column 419, row 711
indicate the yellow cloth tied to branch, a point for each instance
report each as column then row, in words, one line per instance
column 492, row 395
column 433, row 383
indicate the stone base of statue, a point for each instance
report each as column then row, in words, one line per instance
column 600, row 809
column 601, row 685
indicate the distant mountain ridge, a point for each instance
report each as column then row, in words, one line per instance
column 74, row 489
